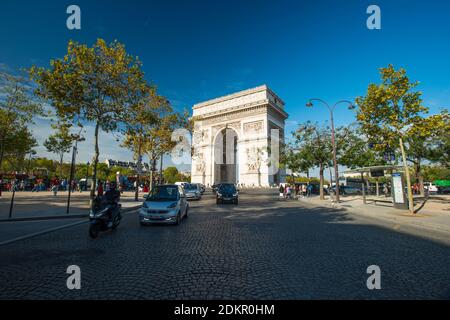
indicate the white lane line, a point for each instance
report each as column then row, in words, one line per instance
column 42, row 232
column 53, row 229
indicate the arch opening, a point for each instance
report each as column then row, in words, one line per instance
column 226, row 150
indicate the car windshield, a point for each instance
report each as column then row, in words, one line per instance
column 163, row 193
column 228, row 188
column 190, row 186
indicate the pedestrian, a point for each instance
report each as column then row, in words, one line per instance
column 309, row 190
column 281, row 190
column 386, row 190
column 54, row 189
column 288, row 192
column 100, row 189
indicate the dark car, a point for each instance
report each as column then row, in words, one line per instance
column 227, row 192
column 346, row 190
column 444, row 190
column 215, row 187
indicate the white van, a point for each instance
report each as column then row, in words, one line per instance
column 430, row 187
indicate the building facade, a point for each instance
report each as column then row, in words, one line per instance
column 237, row 139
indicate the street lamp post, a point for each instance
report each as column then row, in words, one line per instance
column 87, row 174
column 333, row 140
column 77, row 138
column 32, row 153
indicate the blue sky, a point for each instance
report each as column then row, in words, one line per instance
column 197, row 50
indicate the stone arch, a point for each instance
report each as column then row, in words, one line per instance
column 226, row 155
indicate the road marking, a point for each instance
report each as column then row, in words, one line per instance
column 39, row 233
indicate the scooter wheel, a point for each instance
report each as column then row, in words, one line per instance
column 116, row 222
column 94, row 230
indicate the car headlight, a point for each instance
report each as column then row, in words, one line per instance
column 219, row 194
column 235, row 195
column 173, row 205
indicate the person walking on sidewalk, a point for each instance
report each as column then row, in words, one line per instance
column 55, row 190
column 288, row 192
column 281, row 190
column 309, row 190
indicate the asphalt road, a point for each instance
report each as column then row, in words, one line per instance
column 261, row 249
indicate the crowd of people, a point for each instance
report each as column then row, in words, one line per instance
column 294, row 191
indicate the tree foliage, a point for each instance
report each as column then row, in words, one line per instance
column 60, row 142
column 314, row 142
column 18, row 107
column 392, row 115
column 91, row 84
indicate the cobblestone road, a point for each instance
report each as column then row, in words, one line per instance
column 261, row 249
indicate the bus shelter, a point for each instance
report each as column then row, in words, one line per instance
column 396, row 174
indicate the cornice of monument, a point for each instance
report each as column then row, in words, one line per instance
column 237, row 95
column 243, row 108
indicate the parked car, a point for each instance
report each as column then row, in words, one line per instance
column 227, row 192
column 202, row 187
column 430, row 187
column 192, row 191
column 165, row 204
column 347, row 190
column 444, row 190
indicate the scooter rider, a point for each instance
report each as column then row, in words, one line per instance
column 112, row 197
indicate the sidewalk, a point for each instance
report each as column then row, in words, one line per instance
column 435, row 215
column 43, row 205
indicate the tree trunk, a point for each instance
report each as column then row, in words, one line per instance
column 139, row 167
column 363, row 188
column 95, row 163
column 160, row 181
column 408, row 178
column 2, row 153
column 322, row 197
column 152, row 170
column 61, row 164
column 419, row 177
column 2, row 150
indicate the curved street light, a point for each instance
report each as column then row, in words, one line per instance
column 310, row 104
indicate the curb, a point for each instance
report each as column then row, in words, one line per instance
column 72, row 216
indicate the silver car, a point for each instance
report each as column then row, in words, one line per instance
column 165, row 204
column 192, row 191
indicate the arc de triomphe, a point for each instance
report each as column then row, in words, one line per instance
column 235, row 137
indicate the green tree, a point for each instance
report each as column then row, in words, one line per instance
column 90, row 84
column 298, row 161
column 392, row 112
column 159, row 138
column 60, row 142
column 18, row 107
column 422, row 147
column 171, row 174
column 315, row 141
column 140, row 119
column 18, row 144
column 354, row 149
